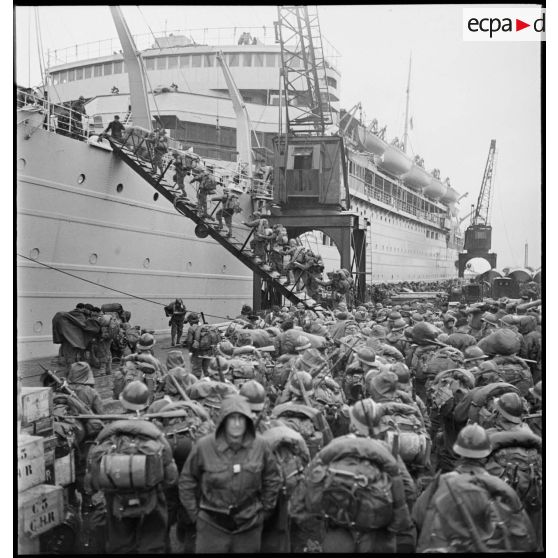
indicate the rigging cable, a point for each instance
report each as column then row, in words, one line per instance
column 109, row 288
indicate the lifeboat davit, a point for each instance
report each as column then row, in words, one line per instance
column 417, row 178
column 371, row 142
column 436, row 189
column 450, row 196
column 395, row 161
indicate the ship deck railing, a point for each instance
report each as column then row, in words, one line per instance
column 399, row 205
column 207, row 36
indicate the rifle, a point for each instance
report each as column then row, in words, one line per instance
column 179, row 388
column 63, row 384
column 479, row 545
column 147, row 416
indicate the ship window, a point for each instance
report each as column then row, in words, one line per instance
column 247, row 59
column 97, row 70
column 233, row 59
column 196, row 60
column 161, row 62
column 209, row 60
column 117, row 67
column 87, row 72
column 21, row 162
column 93, row 258
column 119, row 188
column 184, row 61
column 79, row 73
column 332, row 81
column 71, row 75
column 146, row 262
column 107, row 68
column 150, row 63
column 81, row 179
column 258, row 59
column 173, row 62
column 270, row 60
column 34, row 254
column 303, row 159
column 155, row 196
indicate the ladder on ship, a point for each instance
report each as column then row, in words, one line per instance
column 204, row 226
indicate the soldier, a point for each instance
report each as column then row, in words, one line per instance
column 82, row 383
column 177, row 312
column 229, row 206
column 136, row 503
column 508, row 414
column 262, row 234
column 456, row 512
column 159, row 143
column 179, row 172
column 449, row 323
column 254, row 393
column 230, row 483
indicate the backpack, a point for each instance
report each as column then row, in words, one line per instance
column 419, row 361
column 132, row 335
column 292, row 456
column 401, row 426
column 127, row 462
column 128, row 372
column 481, row 403
column 232, row 205
column 515, row 371
column 182, row 432
column 516, row 459
column 442, row 389
column 206, row 337
column 304, row 420
column 445, row 358
column 209, row 185
column 348, row 484
column 474, row 513
column 210, row 393
column 110, row 327
column 243, row 370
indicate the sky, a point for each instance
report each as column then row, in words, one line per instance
column 463, row 94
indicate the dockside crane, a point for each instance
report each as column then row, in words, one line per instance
column 478, row 235
column 310, row 170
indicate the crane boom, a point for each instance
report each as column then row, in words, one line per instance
column 243, row 126
column 482, row 210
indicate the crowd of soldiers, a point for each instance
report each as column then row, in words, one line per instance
column 377, row 428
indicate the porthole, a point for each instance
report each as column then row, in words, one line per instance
column 224, row 268
column 34, row 254
column 81, row 179
column 155, row 196
column 21, row 162
column 189, row 265
column 93, row 258
column 37, row 327
column 146, row 263
column 119, row 188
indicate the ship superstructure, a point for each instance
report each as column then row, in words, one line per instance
column 83, row 212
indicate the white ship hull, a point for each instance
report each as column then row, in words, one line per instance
column 126, row 241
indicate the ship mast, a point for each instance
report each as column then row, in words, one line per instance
column 136, row 73
column 406, row 132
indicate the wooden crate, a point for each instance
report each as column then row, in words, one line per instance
column 30, row 462
column 36, row 404
column 49, row 446
column 42, row 427
column 65, row 469
column 39, row 509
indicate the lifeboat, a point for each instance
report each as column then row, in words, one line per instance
column 520, row 274
column 371, row 142
column 450, row 196
column 417, row 178
column 436, row 189
column 395, row 161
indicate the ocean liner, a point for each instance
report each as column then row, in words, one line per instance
column 89, row 229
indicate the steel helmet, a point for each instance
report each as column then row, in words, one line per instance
column 302, row 343
column 193, row 318
column 366, row 356
column 299, row 378
column 474, row 353
column 255, row 393
column 134, row 396
column 401, row 370
column 146, row 341
column 424, row 333
column 378, row 331
column 216, row 364
column 225, row 349
column 416, row 317
column 398, row 324
column 448, row 318
column 473, row 441
column 360, row 316
column 510, row 406
column 536, row 391
column 394, row 315
column 363, row 415
column 383, row 384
